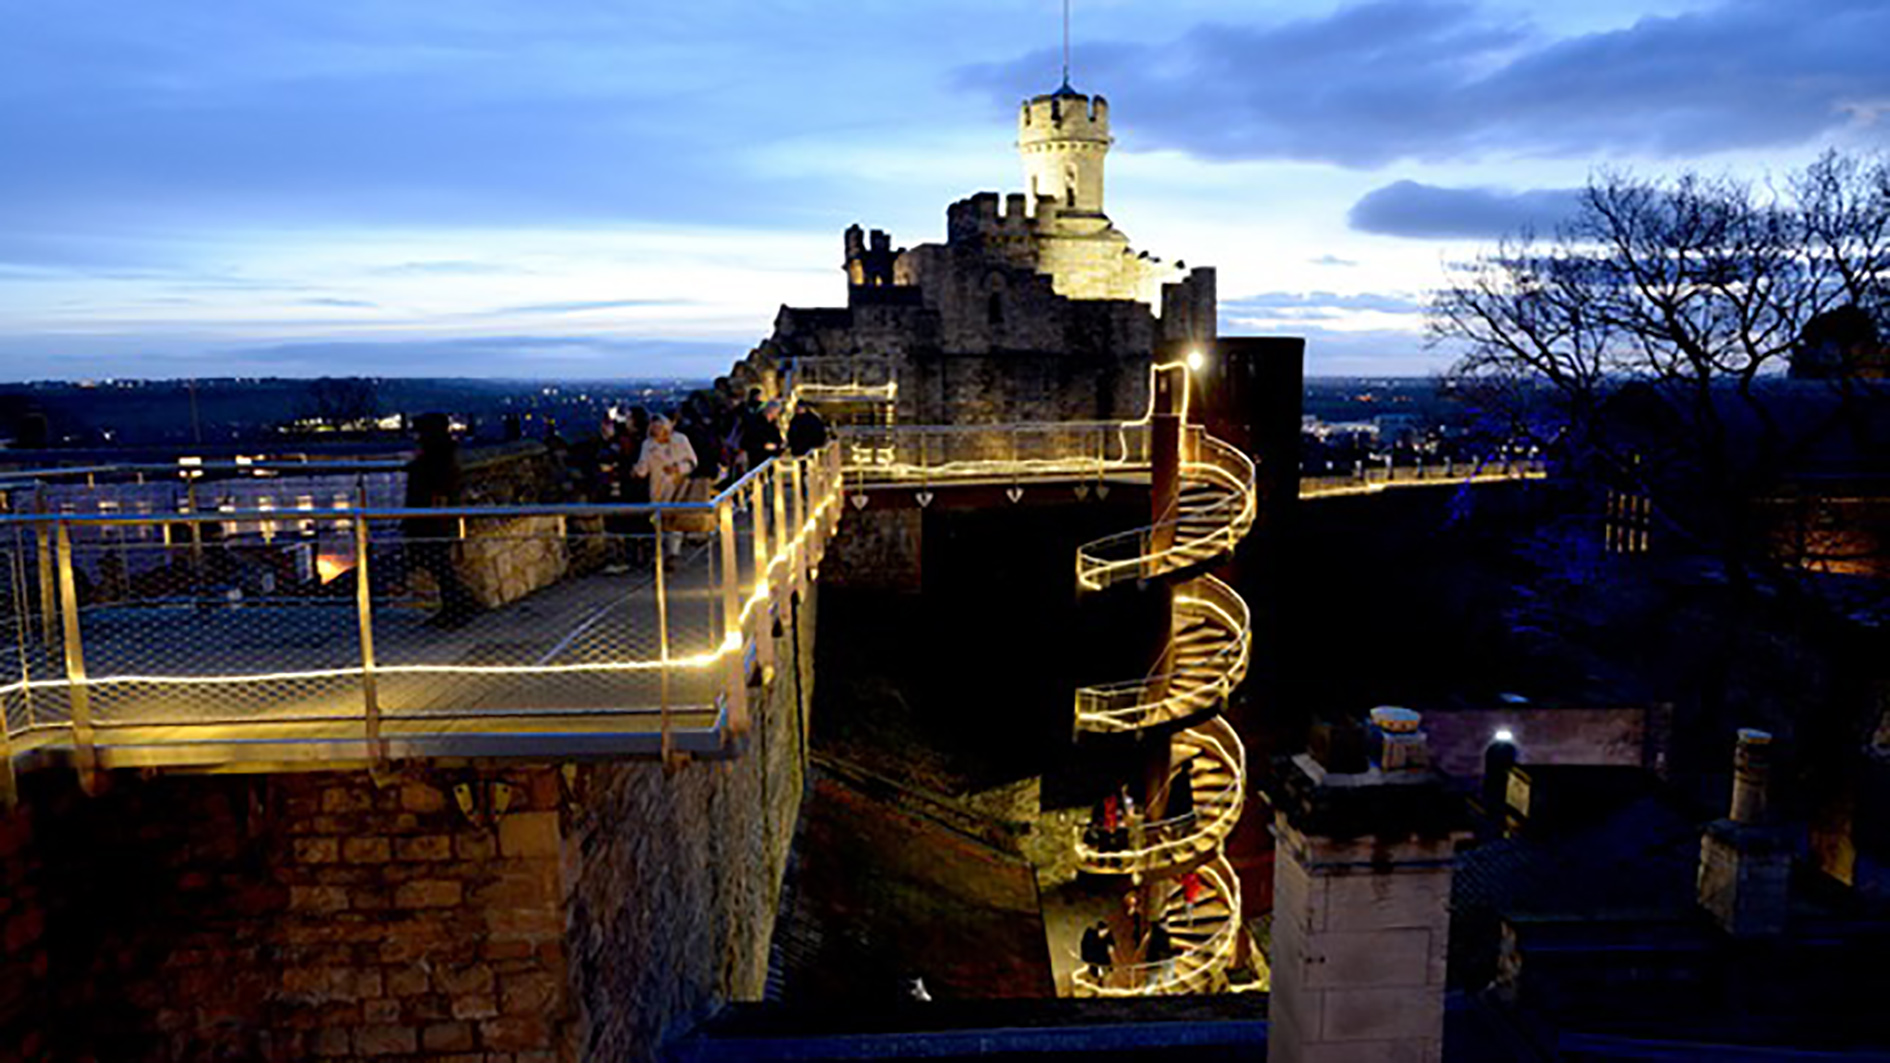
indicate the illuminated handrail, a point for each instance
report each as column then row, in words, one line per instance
column 1194, row 967
column 1179, row 842
column 844, row 378
column 1368, row 480
column 1002, row 452
column 171, row 700
column 1200, row 533
column 1212, row 669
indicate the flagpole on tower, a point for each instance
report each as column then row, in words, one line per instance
column 1066, row 43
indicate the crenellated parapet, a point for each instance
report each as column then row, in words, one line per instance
column 869, row 258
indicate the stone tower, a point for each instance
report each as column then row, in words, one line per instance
column 1063, row 137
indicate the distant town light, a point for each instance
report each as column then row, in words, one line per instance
column 1196, row 360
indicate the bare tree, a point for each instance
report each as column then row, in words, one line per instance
column 1696, row 289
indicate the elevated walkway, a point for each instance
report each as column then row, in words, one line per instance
column 263, row 639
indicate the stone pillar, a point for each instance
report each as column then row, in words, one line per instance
column 1361, row 910
column 1746, row 858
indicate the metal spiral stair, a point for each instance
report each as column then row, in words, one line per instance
column 1210, row 645
column 1206, row 658
column 1213, row 513
column 1215, row 761
column 1203, row 943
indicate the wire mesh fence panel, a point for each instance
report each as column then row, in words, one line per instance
column 185, row 624
column 32, row 642
column 527, row 615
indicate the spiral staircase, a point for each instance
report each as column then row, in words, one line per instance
column 1179, row 702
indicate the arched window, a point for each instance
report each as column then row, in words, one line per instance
column 1069, row 184
column 994, row 309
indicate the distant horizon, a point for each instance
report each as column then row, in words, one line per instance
column 611, row 380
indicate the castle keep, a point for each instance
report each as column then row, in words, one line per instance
column 1035, row 308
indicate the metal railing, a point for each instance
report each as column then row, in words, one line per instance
column 1369, row 478
column 918, row 454
column 352, row 632
column 1193, row 966
column 1194, row 534
column 1212, row 670
column 843, row 379
column 1177, row 841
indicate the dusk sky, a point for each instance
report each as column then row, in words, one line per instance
column 626, row 188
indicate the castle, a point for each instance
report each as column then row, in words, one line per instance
column 1035, row 308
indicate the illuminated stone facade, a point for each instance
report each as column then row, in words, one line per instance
column 1034, row 308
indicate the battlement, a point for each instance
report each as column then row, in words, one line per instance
column 988, row 215
column 869, row 257
column 1063, row 115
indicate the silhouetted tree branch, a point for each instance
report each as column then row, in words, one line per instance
column 1697, row 290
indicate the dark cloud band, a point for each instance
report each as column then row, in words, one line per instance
column 1429, row 79
column 1407, row 208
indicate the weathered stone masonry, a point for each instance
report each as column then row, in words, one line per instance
column 498, row 912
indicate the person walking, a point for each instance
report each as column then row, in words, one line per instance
column 666, row 462
column 1160, row 957
column 806, row 432
column 1191, row 890
column 761, row 438
column 631, row 488
column 1097, row 942
column 433, row 482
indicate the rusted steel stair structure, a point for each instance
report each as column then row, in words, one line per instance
column 1203, row 502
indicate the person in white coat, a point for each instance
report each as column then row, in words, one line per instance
column 667, row 460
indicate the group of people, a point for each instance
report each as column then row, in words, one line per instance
column 635, row 459
column 1151, row 949
column 640, row 457
column 1116, row 824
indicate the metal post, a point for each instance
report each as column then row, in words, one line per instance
column 662, row 628
column 48, row 585
column 758, row 510
column 784, row 535
column 77, row 694
column 1165, row 441
column 364, row 615
column 9, row 794
column 732, row 640
column 799, row 513
column 196, row 537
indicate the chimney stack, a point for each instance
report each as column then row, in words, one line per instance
column 1361, row 912
column 1397, row 742
column 1746, row 858
column 1752, row 775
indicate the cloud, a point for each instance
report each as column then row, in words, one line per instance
column 1332, row 260
column 517, row 356
column 1378, row 82
column 1280, row 303
column 447, row 268
column 361, row 304
column 588, row 306
column 1407, row 208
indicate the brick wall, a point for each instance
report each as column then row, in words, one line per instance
column 498, row 912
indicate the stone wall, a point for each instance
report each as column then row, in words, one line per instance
column 882, row 549
column 1627, row 736
column 502, row 559
column 323, row 915
column 678, row 874
column 494, row 912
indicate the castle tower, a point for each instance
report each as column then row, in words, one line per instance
column 1063, row 137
